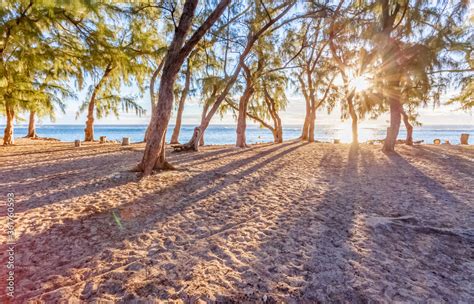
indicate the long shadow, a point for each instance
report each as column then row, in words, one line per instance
column 419, row 178
column 418, row 263
column 150, row 213
column 55, row 187
column 460, row 164
column 303, row 256
column 27, row 182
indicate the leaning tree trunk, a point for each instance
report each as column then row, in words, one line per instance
column 152, row 94
column 409, row 127
column 89, row 130
column 242, row 116
column 277, row 129
column 307, row 119
column 8, row 133
column 177, row 52
column 32, row 126
column 194, row 142
column 203, row 116
column 182, row 100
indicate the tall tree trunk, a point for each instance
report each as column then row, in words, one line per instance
column 8, row 133
column 242, row 116
column 182, row 100
column 390, row 50
column 194, row 142
column 153, row 100
column 307, row 119
column 305, row 130
column 392, row 131
column 312, row 119
column 279, row 130
column 409, row 127
column 203, row 116
column 31, row 126
column 176, row 54
column 354, row 119
column 89, row 130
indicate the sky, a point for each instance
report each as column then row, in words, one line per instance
column 294, row 115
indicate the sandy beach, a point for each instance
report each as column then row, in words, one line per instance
column 293, row 222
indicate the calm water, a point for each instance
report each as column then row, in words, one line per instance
column 222, row 134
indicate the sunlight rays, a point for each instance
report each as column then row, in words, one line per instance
column 360, row 83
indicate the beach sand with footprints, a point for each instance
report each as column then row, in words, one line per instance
column 294, row 222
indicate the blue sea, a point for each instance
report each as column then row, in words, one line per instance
column 226, row 134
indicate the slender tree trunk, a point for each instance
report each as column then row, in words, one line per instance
column 409, row 127
column 354, row 119
column 306, row 125
column 194, row 142
column 390, row 50
column 242, row 116
column 278, row 130
column 392, row 131
column 89, row 130
column 8, row 133
column 182, row 100
column 177, row 53
column 153, row 100
column 203, row 116
column 305, row 130
column 312, row 118
column 31, row 126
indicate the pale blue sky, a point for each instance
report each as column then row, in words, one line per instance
column 294, row 115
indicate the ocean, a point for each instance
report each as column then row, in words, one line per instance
column 226, row 134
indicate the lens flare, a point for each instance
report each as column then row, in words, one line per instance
column 360, row 83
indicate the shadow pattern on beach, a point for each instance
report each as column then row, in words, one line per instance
column 289, row 222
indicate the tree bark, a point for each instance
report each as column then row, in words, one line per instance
column 176, row 54
column 8, row 132
column 312, row 101
column 153, row 102
column 390, row 50
column 203, row 116
column 392, row 131
column 248, row 47
column 31, row 126
column 409, row 127
column 242, row 116
column 89, row 130
column 277, row 129
column 354, row 119
column 312, row 118
column 307, row 119
column 182, row 100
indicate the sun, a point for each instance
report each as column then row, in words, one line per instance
column 360, row 83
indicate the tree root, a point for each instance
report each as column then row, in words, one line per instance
column 410, row 222
column 165, row 166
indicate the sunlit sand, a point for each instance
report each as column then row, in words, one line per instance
column 291, row 222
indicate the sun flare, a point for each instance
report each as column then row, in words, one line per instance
column 360, row 83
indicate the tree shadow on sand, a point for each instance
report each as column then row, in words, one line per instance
column 45, row 258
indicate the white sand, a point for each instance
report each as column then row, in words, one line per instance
column 292, row 222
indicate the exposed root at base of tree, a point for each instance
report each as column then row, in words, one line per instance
column 183, row 147
column 164, row 166
column 409, row 222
